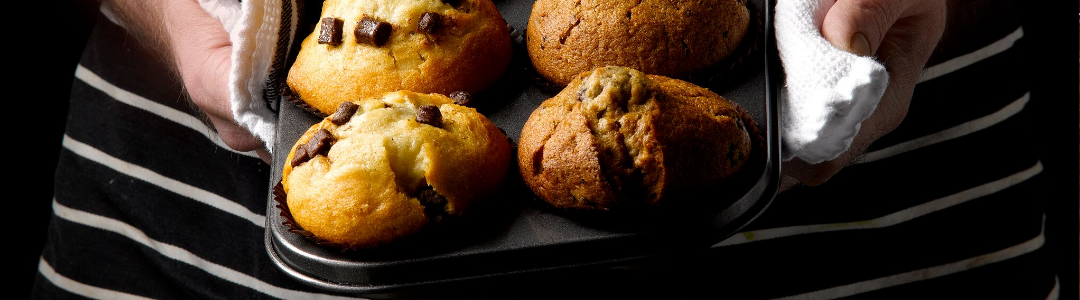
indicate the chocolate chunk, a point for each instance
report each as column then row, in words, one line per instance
column 433, row 202
column 453, row 3
column 319, row 144
column 331, row 31
column 429, row 114
column 430, row 22
column 374, row 32
column 428, row 196
column 344, row 112
column 462, row 98
column 300, row 156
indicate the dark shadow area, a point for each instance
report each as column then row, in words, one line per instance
column 1056, row 112
column 49, row 71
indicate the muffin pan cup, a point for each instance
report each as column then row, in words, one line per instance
column 518, row 235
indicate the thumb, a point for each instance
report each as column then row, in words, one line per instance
column 859, row 26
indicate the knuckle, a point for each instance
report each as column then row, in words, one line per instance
column 880, row 13
column 873, row 7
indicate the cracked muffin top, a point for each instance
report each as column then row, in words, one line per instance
column 379, row 169
column 673, row 39
column 364, row 48
column 616, row 139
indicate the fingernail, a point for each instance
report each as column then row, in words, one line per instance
column 859, row 45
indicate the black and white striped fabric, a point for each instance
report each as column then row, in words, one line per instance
column 150, row 204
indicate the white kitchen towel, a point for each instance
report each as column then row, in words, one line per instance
column 828, row 91
column 262, row 33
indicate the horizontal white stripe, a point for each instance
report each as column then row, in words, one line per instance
column 175, row 253
column 79, row 288
column 928, row 273
column 965, row 60
column 948, row 134
column 968, row 127
column 1053, row 292
column 148, row 105
column 164, row 182
column 890, row 219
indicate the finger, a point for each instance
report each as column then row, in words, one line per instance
column 235, row 136
column 813, row 174
column 786, row 183
column 859, row 26
column 207, row 83
column 202, row 50
column 263, row 154
column 202, row 53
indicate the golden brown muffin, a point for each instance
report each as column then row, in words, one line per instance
column 386, row 167
column 364, row 48
column 673, row 39
column 618, row 139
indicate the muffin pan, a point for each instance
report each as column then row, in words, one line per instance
column 519, row 235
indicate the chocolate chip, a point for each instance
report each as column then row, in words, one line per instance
column 371, row 31
column 428, row 196
column 430, row 22
column 453, row 3
column 462, row 98
column 331, row 31
column 433, row 202
column 300, row 156
column 429, row 114
column 319, row 144
column 733, row 155
column 344, row 112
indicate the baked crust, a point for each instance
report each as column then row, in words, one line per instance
column 467, row 51
column 367, row 189
column 568, row 37
column 618, row 139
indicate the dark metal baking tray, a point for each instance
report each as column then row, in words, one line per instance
column 521, row 238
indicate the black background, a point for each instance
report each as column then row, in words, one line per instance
column 49, row 46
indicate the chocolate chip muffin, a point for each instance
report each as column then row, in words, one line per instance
column 616, row 139
column 674, row 39
column 364, row 48
column 380, row 169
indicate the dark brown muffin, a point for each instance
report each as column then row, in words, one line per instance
column 673, row 39
column 618, row 139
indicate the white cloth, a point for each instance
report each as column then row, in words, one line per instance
column 262, row 33
column 828, row 92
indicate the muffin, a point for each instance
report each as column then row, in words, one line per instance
column 365, row 48
column 381, row 169
column 616, row 139
column 674, row 39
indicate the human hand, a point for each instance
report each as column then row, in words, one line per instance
column 201, row 50
column 901, row 34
